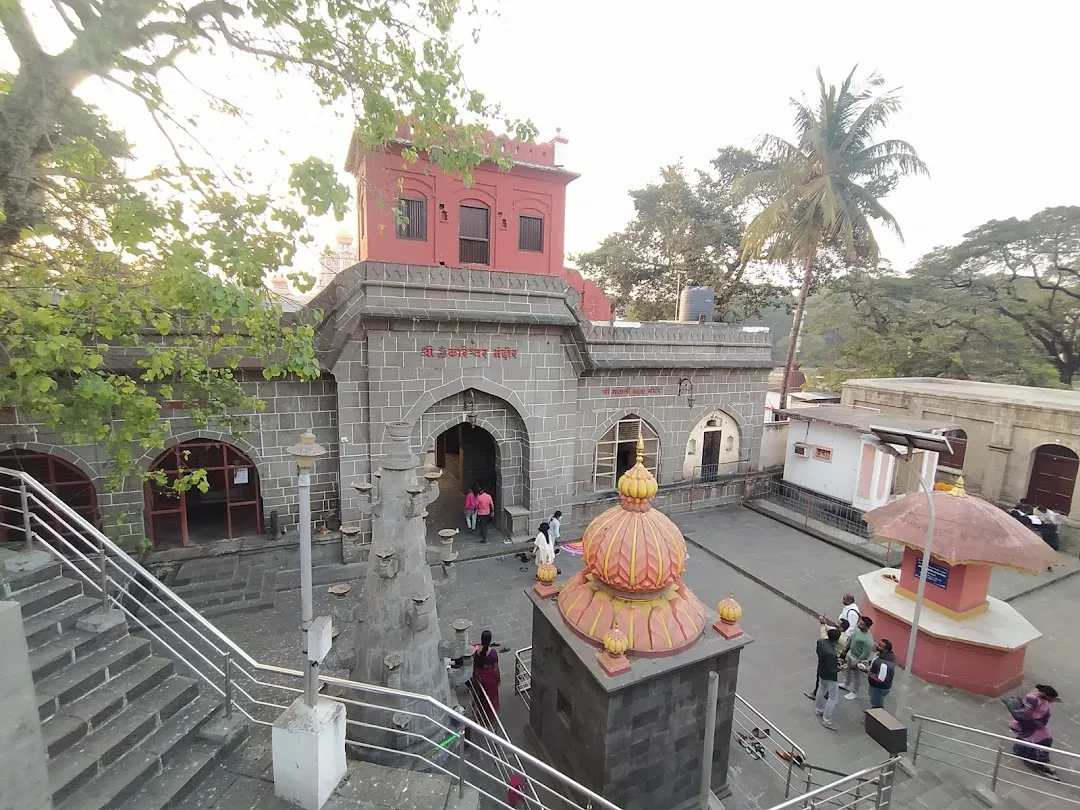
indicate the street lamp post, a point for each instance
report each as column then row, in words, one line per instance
column 305, row 452
column 914, row 440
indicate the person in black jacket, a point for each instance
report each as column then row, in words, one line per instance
column 880, row 672
column 827, row 667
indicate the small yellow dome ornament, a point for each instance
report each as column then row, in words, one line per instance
column 545, row 572
column 729, row 612
column 613, row 659
column 545, row 586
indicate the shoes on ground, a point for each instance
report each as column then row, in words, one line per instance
column 829, row 726
column 851, row 696
column 812, row 697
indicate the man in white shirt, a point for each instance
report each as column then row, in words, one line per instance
column 850, row 611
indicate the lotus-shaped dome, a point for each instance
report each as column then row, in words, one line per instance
column 633, row 547
column 632, row 585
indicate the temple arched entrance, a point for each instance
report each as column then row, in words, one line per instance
column 477, row 438
column 230, row 507
column 62, row 478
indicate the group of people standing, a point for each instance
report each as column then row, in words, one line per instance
column 847, row 645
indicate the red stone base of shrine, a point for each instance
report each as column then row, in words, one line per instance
column 944, row 661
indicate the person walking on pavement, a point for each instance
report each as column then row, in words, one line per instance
column 470, row 508
column 841, row 645
column 827, row 673
column 555, row 526
column 860, row 646
column 484, row 507
column 880, row 672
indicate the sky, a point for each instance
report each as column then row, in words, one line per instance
column 989, row 100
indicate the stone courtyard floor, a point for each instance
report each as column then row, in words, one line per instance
column 787, row 579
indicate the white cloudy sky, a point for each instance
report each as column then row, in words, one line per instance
column 990, row 98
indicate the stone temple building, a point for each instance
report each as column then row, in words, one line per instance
column 460, row 319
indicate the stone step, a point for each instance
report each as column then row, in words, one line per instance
column 55, row 621
column 159, row 764
column 81, row 763
column 69, row 648
column 191, row 593
column 205, row 570
column 44, row 595
column 20, row 582
column 75, row 721
column 65, row 687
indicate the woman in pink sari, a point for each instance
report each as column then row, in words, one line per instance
column 486, row 675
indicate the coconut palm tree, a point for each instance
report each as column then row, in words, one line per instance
column 822, row 191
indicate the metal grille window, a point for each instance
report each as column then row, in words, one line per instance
column 412, row 218
column 531, row 234
column 474, row 235
column 616, row 452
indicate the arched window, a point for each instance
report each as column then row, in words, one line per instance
column 958, row 441
column 230, row 507
column 616, row 452
column 62, row 478
column 474, row 234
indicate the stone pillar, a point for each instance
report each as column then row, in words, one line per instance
column 993, row 478
column 24, row 775
column 397, row 641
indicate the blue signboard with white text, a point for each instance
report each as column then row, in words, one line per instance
column 938, row 575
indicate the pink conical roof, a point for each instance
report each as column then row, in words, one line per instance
column 967, row 531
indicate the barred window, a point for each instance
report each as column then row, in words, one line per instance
column 531, row 234
column 616, row 452
column 412, row 218
column 474, row 235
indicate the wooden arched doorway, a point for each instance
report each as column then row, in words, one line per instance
column 230, row 507
column 1053, row 477
column 60, row 477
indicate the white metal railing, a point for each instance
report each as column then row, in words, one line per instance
column 379, row 718
column 869, row 788
column 993, row 757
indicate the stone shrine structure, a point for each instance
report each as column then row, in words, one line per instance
column 621, row 662
column 398, row 636
column 967, row 639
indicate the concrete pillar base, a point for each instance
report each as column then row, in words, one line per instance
column 98, row 622
column 308, row 745
column 986, row 796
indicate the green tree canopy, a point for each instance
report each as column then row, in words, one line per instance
column 824, row 189
column 685, row 231
column 120, row 292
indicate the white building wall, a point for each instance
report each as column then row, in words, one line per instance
column 836, row 477
column 729, row 443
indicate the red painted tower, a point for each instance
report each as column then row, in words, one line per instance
column 512, row 221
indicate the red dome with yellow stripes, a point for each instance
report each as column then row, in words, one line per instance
column 634, row 561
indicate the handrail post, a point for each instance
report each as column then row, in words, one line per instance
column 461, row 763
column 710, row 734
column 918, row 736
column 228, row 685
column 27, row 527
column 885, row 777
column 103, row 562
column 790, row 767
column 997, row 766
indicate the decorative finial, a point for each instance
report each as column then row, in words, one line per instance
column 637, row 485
column 730, row 612
column 640, row 450
column 957, row 490
column 613, row 659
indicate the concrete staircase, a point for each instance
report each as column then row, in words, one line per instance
column 121, row 727
column 223, row 585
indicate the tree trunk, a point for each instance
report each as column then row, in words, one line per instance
column 796, row 326
column 30, row 109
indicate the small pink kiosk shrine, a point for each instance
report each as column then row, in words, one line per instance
column 967, row 639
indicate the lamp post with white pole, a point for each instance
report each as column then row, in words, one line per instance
column 309, row 737
column 305, row 452
column 890, row 438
